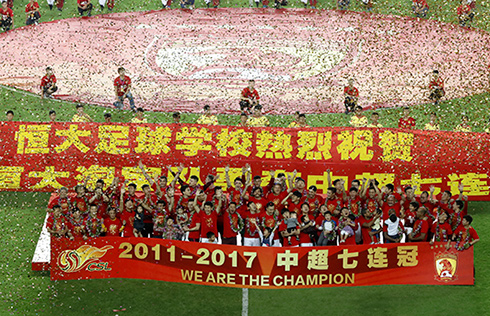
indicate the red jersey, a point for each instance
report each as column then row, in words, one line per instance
column 442, row 232
column 354, row 205
column 456, row 220
column 32, row 7
column 371, row 205
column 7, row 13
column 194, row 218
column 81, row 203
column 295, row 207
column 122, row 85
column 463, row 9
column 304, row 238
column 420, row 227
column 235, row 195
column 277, row 199
column 422, row 3
column 366, row 239
column 334, row 204
column 430, row 206
column 386, row 209
column 439, row 83
column 77, row 227
column 159, row 221
column 57, row 224
column 252, row 95
column 314, row 202
column 65, row 204
column 113, row 227
column 465, row 236
column 48, row 82
column 183, row 201
column 353, row 92
column 406, row 123
column 251, row 230
column 294, row 241
column 260, row 203
column 231, row 224
column 128, row 228
column 209, row 223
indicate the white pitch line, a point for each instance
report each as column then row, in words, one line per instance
column 244, row 302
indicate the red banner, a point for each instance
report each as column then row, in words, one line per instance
column 44, row 156
column 260, row 267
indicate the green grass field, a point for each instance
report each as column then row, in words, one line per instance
column 24, row 292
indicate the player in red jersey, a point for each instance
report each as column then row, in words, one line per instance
column 351, row 95
column 160, row 216
column 457, row 216
column 270, row 218
column 113, row 225
column 209, row 217
column 353, row 202
column 57, row 224
column 308, row 231
column 441, row 229
column 406, row 122
column 391, row 204
column 367, row 222
column 465, row 236
column 276, row 196
column 63, row 200
column 333, row 203
column 251, row 236
column 101, row 200
column 436, row 87
column 7, row 17
column 32, row 13
column 338, row 184
column 428, row 202
column 293, row 202
column 48, row 84
column 299, row 184
column 258, row 198
column 76, row 225
column 232, row 225
column 314, row 200
column 420, row 228
column 249, row 97
column 283, row 230
column 236, row 193
column 80, row 201
column 94, row 225
column 126, row 214
column 122, row 87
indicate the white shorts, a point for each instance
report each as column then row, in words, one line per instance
column 276, row 243
column 251, row 242
column 308, row 244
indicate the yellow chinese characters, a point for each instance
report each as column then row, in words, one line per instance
column 72, row 138
column 287, row 260
column 318, row 259
column 10, row 177
column 313, row 145
column 355, row 144
column 234, row 143
column 49, row 178
column 345, row 256
column 475, row 184
column 153, row 141
column 113, row 139
column 407, row 256
column 33, row 139
column 273, row 145
column 396, row 145
column 377, row 257
column 193, row 140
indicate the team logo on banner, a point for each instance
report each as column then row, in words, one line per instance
column 446, row 265
column 84, row 257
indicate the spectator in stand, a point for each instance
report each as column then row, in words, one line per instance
column 420, row 8
column 81, row 116
column 122, row 89
column 48, row 84
column 351, row 95
column 433, row 125
column 406, row 121
column 300, row 123
column 176, row 117
column 52, row 116
column 32, row 13
column 9, row 116
column 7, row 17
column 84, row 6
column 464, row 126
column 374, row 121
column 139, row 118
column 358, row 119
column 107, row 117
column 207, row 118
column 250, row 97
column 257, row 119
column 436, row 87
column 465, row 235
column 243, row 120
column 465, row 15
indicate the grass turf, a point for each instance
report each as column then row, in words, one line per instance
column 24, row 292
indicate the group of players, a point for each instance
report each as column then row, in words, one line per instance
column 284, row 212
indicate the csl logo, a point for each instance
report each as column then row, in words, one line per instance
column 84, row 257
column 446, row 265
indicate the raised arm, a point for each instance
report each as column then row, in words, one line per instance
column 329, row 178
column 285, row 200
column 121, row 200
column 227, row 175
column 180, row 168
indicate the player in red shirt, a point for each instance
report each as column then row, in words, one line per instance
column 283, row 230
column 436, row 87
column 94, row 225
column 32, row 13
column 113, row 225
column 57, row 224
column 441, row 229
column 209, row 217
column 353, row 202
column 420, row 228
column 333, row 203
column 457, row 216
column 270, row 218
column 63, row 200
column 126, row 214
column 293, row 202
column 122, row 86
column 251, row 215
column 76, row 225
column 232, row 225
column 314, row 200
column 236, row 193
column 464, row 14
column 80, row 201
column 48, row 84
column 391, row 204
column 420, row 8
column 85, row 6
column 308, row 230
column 465, row 236
column 249, row 98
column 406, row 121
column 7, row 17
column 351, row 95
column 367, row 220
column 258, row 198
column 276, row 196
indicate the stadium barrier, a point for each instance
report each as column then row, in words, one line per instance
column 47, row 156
